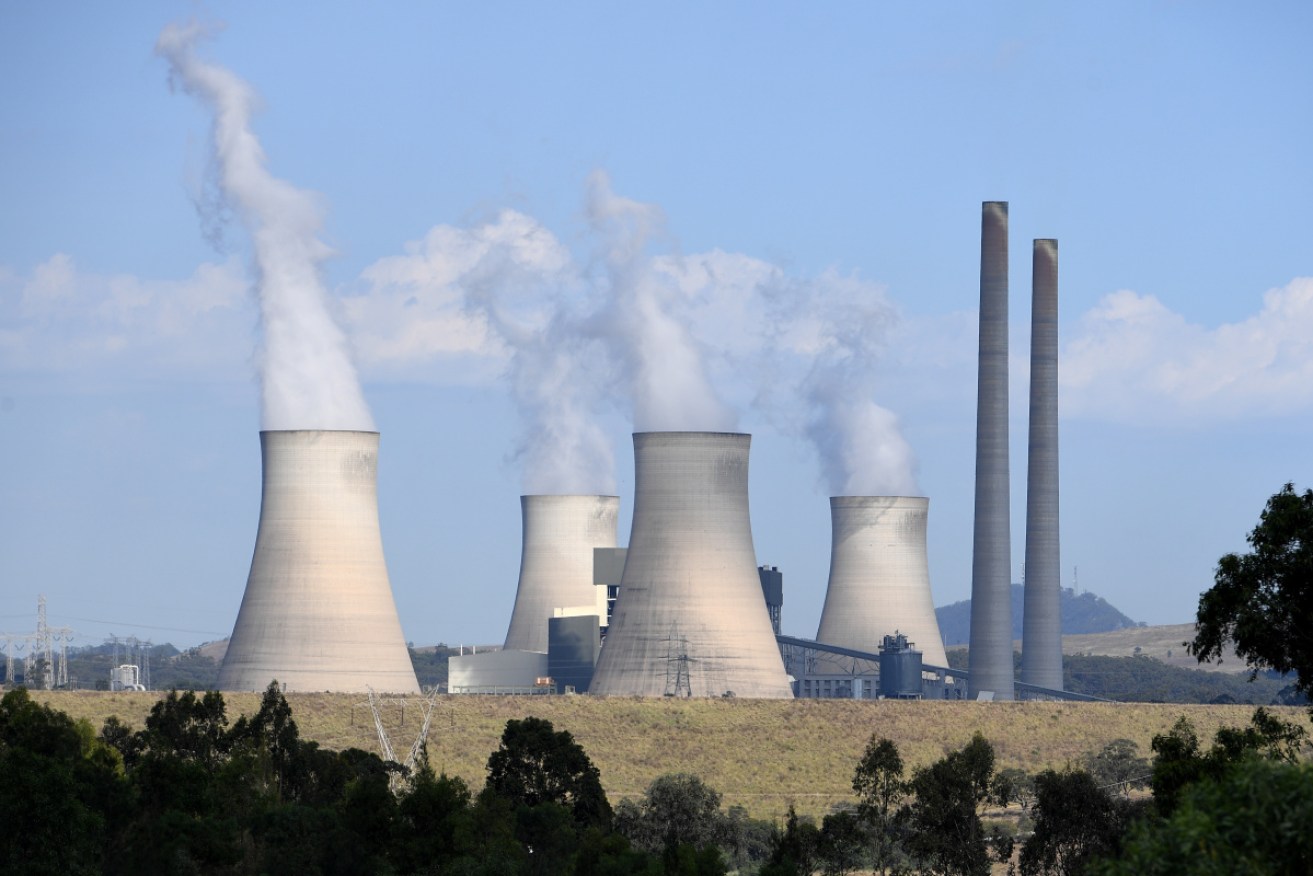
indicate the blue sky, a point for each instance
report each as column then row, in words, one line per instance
column 829, row 161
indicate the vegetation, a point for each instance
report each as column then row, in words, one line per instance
column 1081, row 613
column 192, row 792
column 1262, row 601
column 760, row 755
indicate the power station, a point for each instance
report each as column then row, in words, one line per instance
column 684, row 610
column 690, row 619
column 318, row 612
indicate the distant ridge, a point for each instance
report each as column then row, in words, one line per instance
column 1086, row 613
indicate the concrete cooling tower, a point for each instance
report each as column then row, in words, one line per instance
column 318, row 613
column 990, row 655
column 690, row 619
column 1041, row 636
column 556, row 561
column 879, row 578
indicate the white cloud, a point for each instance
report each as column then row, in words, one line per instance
column 60, row 320
column 1134, row 359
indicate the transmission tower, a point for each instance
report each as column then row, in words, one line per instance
column 678, row 682
column 385, row 743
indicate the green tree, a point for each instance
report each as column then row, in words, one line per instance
column 843, row 843
column 880, row 788
column 793, row 850
column 1118, row 767
column 947, row 836
column 60, row 785
column 1180, row 760
column 1256, row 818
column 1076, row 822
column 538, row 764
column 676, row 808
column 1262, row 601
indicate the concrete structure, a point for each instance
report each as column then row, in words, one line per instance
column 991, row 612
column 556, row 562
column 318, row 613
column 772, row 591
column 1041, row 637
column 690, row 619
column 498, row 672
column 879, row 577
column 608, row 570
column 573, row 643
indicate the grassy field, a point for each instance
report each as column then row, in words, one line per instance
column 760, row 754
column 1161, row 643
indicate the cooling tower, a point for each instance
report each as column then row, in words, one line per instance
column 318, row 613
column 1041, row 629
column 879, row 579
column 690, row 619
column 991, row 589
column 556, row 561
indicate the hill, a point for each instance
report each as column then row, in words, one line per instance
column 761, row 754
column 1083, row 613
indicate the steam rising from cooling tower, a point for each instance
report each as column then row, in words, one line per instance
column 990, row 655
column 307, row 378
column 690, row 619
column 658, row 356
column 879, row 578
column 523, row 283
column 556, row 561
column 826, row 338
column 318, row 612
column 1041, row 636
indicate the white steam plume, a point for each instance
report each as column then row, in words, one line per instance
column 307, row 378
column 649, row 338
column 521, row 283
column 838, row 326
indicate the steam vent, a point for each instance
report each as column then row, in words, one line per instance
column 556, row 561
column 318, row 613
column 990, row 655
column 879, row 577
column 690, row 619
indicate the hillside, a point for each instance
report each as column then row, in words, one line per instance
column 760, row 754
column 1084, row 613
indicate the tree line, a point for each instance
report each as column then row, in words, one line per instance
column 193, row 793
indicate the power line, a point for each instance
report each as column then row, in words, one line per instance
column 90, row 620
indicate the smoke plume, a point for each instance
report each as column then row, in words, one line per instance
column 649, row 338
column 524, row 285
column 836, row 328
column 307, row 378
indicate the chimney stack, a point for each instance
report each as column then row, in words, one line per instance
column 990, row 660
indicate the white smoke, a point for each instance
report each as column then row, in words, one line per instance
column 307, row 378
column 837, row 328
column 645, row 323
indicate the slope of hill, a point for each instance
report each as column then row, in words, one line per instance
column 761, row 754
column 1084, row 613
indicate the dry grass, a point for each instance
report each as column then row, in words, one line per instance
column 761, row 754
column 1162, row 643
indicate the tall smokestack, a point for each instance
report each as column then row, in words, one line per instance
column 991, row 586
column 690, row 619
column 556, row 561
column 879, row 578
column 318, row 612
column 1041, row 630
